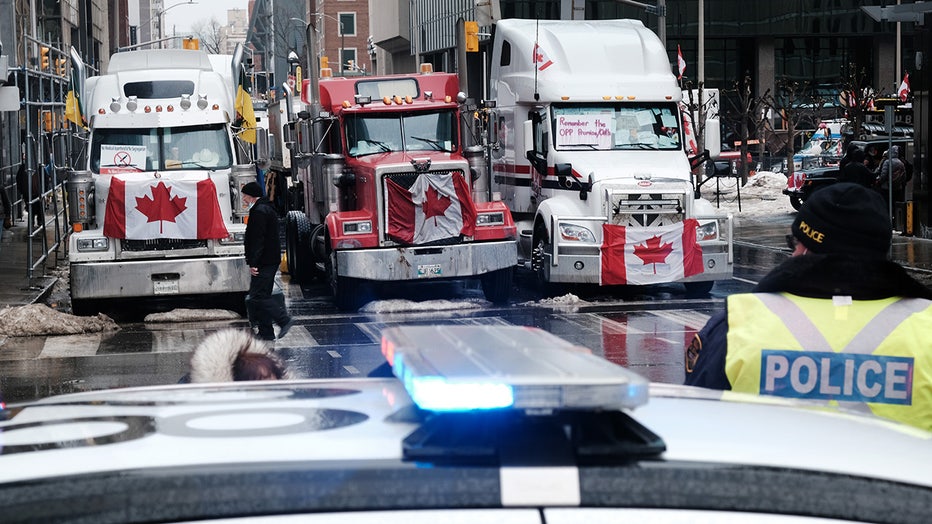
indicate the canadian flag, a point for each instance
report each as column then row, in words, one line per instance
column 680, row 61
column 437, row 206
column 903, row 91
column 540, row 58
column 650, row 255
column 146, row 208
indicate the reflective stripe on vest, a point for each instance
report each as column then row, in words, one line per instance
column 873, row 355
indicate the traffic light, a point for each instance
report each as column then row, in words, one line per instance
column 60, row 66
column 472, row 36
column 324, row 62
column 370, row 46
column 44, row 58
column 190, row 43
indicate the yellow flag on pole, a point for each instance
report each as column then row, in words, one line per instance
column 74, row 109
column 245, row 116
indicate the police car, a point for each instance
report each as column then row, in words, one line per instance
column 480, row 424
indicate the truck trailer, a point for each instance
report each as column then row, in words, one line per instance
column 387, row 190
column 587, row 151
column 156, row 210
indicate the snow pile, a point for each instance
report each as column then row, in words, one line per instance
column 191, row 315
column 407, row 306
column 38, row 319
column 761, row 196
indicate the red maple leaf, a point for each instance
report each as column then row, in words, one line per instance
column 163, row 206
column 435, row 205
column 652, row 252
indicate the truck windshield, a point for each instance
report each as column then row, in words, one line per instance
column 128, row 150
column 650, row 126
column 428, row 131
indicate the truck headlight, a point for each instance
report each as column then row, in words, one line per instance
column 490, row 219
column 237, row 237
column 576, row 233
column 93, row 244
column 357, row 228
column 707, row 231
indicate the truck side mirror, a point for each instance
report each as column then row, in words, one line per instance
column 713, row 138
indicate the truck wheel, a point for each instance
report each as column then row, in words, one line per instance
column 541, row 247
column 699, row 289
column 796, row 202
column 496, row 285
column 297, row 246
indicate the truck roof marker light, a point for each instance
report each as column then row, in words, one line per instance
column 427, row 68
column 170, row 108
column 326, row 72
column 607, row 98
column 630, row 97
column 669, row 97
column 115, row 105
column 564, row 98
column 215, row 107
column 132, row 104
column 465, row 368
column 448, row 99
column 185, row 103
column 346, row 104
column 397, row 99
column 619, row 97
column 202, row 102
column 158, row 108
column 409, row 100
column 387, row 100
column 147, row 109
column 101, row 111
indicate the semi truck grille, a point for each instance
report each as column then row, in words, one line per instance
column 163, row 244
column 428, row 232
column 647, row 209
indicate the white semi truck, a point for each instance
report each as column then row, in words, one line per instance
column 156, row 210
column 587, row 150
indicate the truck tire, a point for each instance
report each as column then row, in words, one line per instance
column 541, row 246
column 496, row 285
column 298, row 246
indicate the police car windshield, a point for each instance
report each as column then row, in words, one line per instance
column 123, row 150
column 616, row 126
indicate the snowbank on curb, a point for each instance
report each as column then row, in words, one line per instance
column 192, row 315
column 38, row 320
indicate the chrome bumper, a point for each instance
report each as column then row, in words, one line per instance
column 413, row 263
column 146, row 278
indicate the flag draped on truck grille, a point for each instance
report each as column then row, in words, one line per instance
column 650, row 255
column 147, row 208
column 436, row 206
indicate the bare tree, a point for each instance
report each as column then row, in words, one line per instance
column 696, row 107
column 210, row 33
column 745, row 116
column 798, row 107
column 857, row 96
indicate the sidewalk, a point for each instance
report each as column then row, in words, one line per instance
column 16, row 289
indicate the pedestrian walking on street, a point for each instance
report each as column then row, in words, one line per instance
column 852, row 169
column 263, row 256
column 6, row 210
column 838, row 321
column 234, row 355
column 22, row 181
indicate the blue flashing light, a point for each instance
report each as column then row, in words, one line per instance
column 436, row 394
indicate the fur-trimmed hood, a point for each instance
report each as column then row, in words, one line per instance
column 212, row 360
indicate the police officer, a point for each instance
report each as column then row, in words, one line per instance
column 837, row 322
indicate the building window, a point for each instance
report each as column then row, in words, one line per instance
column 348, row 23
column 349, row 54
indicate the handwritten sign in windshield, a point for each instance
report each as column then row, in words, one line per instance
column 585, row 130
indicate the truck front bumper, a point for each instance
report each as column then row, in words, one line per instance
column 426, row 262
column 146, row 278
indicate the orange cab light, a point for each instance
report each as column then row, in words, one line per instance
column 148, row 109
column 631, row 97
column 619, row 97
column 606, row 98
column 397, row 99
column 427, row 68
column 158, row 109
column 326, row 72
column 448, row 99
column 215, row 107
column 408, row 99
column 345, row 104
column 669, row 97
column 387, row 100
column 101, row 111
column 77, row 227
column 564, row 98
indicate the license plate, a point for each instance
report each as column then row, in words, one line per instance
column 165, row 287
column 429, row 270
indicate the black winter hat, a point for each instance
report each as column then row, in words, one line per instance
column 847, row 219
column 252, row 189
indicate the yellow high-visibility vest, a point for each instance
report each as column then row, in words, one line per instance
column 867, row 355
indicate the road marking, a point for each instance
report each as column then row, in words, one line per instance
column 71, row 346
column 351, row 370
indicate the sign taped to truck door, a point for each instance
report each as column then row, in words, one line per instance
column 122, row 159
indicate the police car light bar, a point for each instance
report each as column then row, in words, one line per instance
column 449, row 368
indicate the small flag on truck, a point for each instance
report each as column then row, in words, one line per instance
column 245, row 116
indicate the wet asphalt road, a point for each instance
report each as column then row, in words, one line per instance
column 644, row 328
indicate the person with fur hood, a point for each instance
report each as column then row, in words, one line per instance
column 235, row 355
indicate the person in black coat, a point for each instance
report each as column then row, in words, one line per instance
column 263, row 256
column 853, row 170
